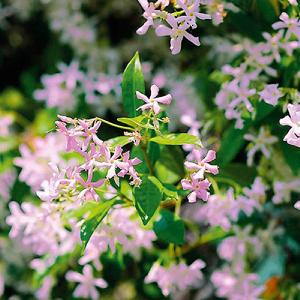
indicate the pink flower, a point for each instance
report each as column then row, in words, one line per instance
column 293, row 136
column 274, row 43
column 177, row 33
column 253, row 197
column 293, row 2
column 7, row 179
column 5, row 123
column 242, row 93
column 119, row 228
column 270, row 94
column 261, row 142
column 191, row 13
column 202, row 164
column 291, row 24
column 297, row 205
column 134, row 137
column 176, row 277
column 283, row 190
column 35, row 162
column 236, row 286
column 89, row 186
column 153, row 100
column 59, row 88
column 87, row 283
column 41, row 228
column 235, row 248
column 220, row 210
column 198, row 187
column 89, row 133
column 127, row 166
column 150, row 13
column 44, row 292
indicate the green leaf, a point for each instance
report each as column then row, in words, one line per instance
column 147, row 198
column 80, row 212
column 133, row 81
column 169, row 228
column 170, row 191
column 133, row 122
column 176, row 139
column 291, row 155
column 239, row 173
column 137, row 152
column 45, row 121
column 232, row 142
column 119, row 140
column 213, row 234
column 93, row 221
column 169, row 168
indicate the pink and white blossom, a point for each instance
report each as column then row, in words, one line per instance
column 291, row 24
column 177, row 32
column 202, row 165
column 176, row 277
column 293, row 120
column 270, row 94
column 198, row 188
column 87, row 283
column 259, row 143
column 152, row 103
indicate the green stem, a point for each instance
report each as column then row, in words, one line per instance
column 147, row 160
column 114, row 125
column 214, row 185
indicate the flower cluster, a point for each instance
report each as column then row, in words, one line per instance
column 283, row 190
column 41, row 229
column 176, row 277
column 235, row 285
column 81, row 137
column 119, row 228
column 35, row 159
column 196, row 181
column 177, row 24
column 62, row 89
column 233, row 281
column 237, row 97
column 221, row 210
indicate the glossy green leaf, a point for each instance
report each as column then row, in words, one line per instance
column 169, row 228
column 132, row 122
column 119, row 140
column 93, row 221
column 133, row 81
column 169, row 168
column 147, row 198
column 176, row 139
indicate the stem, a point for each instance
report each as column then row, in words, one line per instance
column 214, row 185
column 114, row 125
column 178, row 206
column 201, row 241
column 147, row 160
